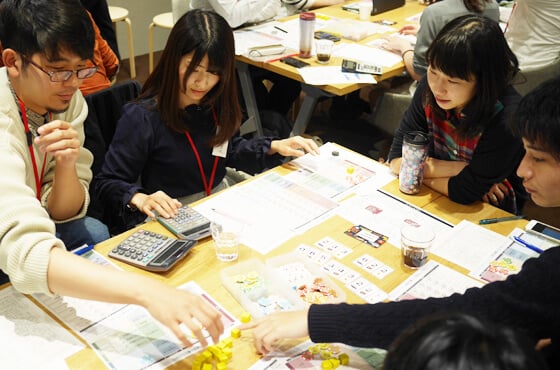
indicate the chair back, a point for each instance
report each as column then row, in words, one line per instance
column 104, row 113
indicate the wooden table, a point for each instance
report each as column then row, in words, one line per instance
column 202, row 266
column 313, row 93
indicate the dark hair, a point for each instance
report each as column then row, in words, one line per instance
column 48, row 27
column 473, row 46
column 461, row 342
column 204, row 33
column 537, row 118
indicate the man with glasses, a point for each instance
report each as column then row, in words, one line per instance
column 46, row 172
column 45, row 168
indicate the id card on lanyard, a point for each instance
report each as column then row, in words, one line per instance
column 38, row 179
column 217, row 152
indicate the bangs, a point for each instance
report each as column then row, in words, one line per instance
column 452, row 57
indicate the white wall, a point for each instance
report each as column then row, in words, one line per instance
column 141, row 13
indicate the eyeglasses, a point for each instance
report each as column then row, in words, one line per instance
column 61, row 76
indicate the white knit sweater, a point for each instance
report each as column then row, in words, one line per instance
column 27, row 233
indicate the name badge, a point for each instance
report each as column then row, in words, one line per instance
column 220, row 150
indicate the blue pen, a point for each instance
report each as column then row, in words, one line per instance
column 528, row 245
column 83, row 249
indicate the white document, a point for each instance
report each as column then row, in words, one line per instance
column 272, row 207
column 368, row 54
column 330, row 75
column 386, row 214
column 247, row 38
column 433, row 280
column 468, row 245
column 29, row 338
column 126, row 336
column 336, row 172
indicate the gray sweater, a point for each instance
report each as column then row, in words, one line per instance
column 437, row 15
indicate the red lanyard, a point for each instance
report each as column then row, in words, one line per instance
column 38, row 180
column 207, row 184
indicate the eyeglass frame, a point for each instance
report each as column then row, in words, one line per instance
column 69, row 72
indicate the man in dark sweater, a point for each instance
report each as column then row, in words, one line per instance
column 528, row 302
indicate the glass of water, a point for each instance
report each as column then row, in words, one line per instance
column 226, row 235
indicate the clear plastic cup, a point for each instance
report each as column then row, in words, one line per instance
column 226, row 235
column 416, row 242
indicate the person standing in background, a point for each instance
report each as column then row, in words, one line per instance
column 99, row 10
column 533, row 32
column 107, row 64
column 432, row 20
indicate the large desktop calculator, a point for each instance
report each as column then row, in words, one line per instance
column 188, row 224
column 151, row 251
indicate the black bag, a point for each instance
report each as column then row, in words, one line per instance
column 274, row 124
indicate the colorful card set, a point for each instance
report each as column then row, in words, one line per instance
column 367, row 236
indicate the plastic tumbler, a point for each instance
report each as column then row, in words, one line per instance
column 306, row 30
column 414, row 153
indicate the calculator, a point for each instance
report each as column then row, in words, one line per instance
column 151, row 251
column 188, row 224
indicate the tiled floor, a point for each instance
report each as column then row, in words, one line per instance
column 358, row 135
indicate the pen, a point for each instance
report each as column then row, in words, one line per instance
column 280, row 29
column 528, row 245
column 270, row 364
column 487, row 221
column 83, row 249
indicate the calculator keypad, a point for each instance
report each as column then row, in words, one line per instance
column 140, row 247
column 186, row 219
column 188, row 224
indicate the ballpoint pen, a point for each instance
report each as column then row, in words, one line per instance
column 487, row 221
column 83, row 249
column 528, row 245
column 280, row 29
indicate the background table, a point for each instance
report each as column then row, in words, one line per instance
column 313, row 93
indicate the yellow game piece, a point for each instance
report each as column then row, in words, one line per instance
column 206, row 355
column 214, row 349
column 236, row 333
column 245, row 317
column 221, row 366
column 207, row 367
column 335, row 362
column 350, row 170
column 196, row 365
column 344, row 358
column 226, row 343
column 228, row 352
column 222, row 357
column 325, row 355
column 314, row 350
column 326, row 365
